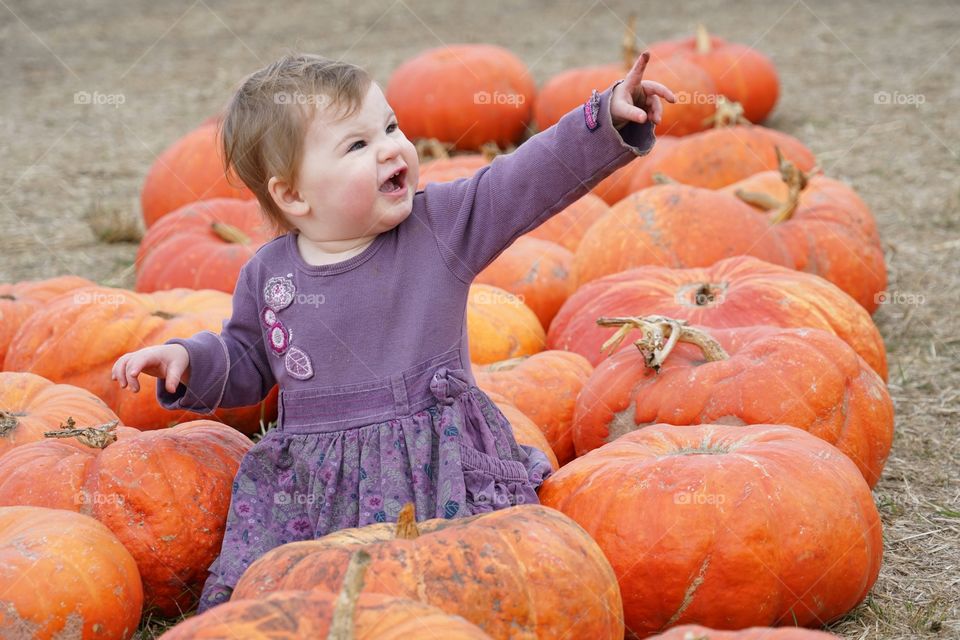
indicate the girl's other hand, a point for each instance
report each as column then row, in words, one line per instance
column 170, row 361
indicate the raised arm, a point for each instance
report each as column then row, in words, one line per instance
column 226, row 370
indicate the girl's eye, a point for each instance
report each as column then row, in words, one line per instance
column 391, row 127
column 354, row 145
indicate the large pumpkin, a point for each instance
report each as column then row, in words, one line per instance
column 165, row 495
column 726, row 526
column 718, row 157
column 520, row 572
column 736, row 292
column 525, row 430
column 675, row 225
column 619, row 184
column 76, row 339
column 452, row 168
column 544, row 387
column 568, row 227
column 20, row 299
column 31, row 405
column 828, row 229
column 741, row 73
column 64, row 575
column 500, row 326
column 201, row 245
column 806, row 378
column 538, row 272
column 190, row 169
column 466, row 94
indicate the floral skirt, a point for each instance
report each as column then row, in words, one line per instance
column 454, row 458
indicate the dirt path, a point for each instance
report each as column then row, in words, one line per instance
column 155, row 69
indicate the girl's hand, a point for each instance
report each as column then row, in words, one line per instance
column 170, row 361
column 636, row 99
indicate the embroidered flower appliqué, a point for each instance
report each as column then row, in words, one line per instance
column 269, row 317
column 298, row 364
column 278, row 293
column 279, row 338
column 591, row 111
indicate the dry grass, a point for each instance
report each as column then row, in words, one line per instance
column 175, row 63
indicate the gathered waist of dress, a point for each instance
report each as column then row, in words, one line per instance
column 335, row 408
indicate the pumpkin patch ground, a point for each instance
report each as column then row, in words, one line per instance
column 98, row 91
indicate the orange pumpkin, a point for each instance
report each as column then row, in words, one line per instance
column 190, row 169
column 828, row 229
column 466, row 94
column 452, row 168
column 675, row 225
column 539, row 272
column 741, row 73
column 696, row 632
column 76, row 339
column 31, row 404
column 718, row 157
column 568, row 227
column 544, row 387
column 500, row 326
column 525, row 430
column 802, row 377
column 524, row 571
column 619, row 184
column 165, row 495
column 735, row 292
column 20, row 299
column 201, row 245
column 697, row 521
column 64, row 575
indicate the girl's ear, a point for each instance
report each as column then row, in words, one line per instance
column 287, row 198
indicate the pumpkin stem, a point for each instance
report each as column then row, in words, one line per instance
column 728, row 113
column 796, row 181
column 8, row 421
column 758, row 199
column 490, row 150
column 166, row 315
column 659, row 336
column 7, row 296
column 407, row 523
column 432, row 149
column 96, row 437
column 629, row 46
column 662, row 178
column 230, row 233
column 505, row 365
column 703, row 39
column 342, row 624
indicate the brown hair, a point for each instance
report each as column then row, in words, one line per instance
column 263, row 125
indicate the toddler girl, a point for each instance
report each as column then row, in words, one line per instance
column 357, row 311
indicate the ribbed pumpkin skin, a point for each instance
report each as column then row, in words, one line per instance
column 571, row 88
column 736, row 292
column 544, row 387
column 805, row 378
column 76, row 339
column 525, row 430
column 697, row 521
column 300, row 615
column 164, row 494
column 449, row 169
column 20, row 299
column 183, row 249
column 568, row 227
column 718, row 157
column 675, row 225
column 190, row 169
column 34, row 404
column 696, row 632
column 520, row 572
column 832, row 233
column 64, row 575
column 539, row 272
column 741, row 73
column 500, row 326
column 435, row 93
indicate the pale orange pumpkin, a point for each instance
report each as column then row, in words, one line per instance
column 568, row 227
column 696, row 632
column 525, row 430
column 500, row 326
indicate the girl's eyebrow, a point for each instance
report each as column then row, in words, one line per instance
column 391, row 115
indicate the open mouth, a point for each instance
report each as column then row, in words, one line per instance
column 395, row 182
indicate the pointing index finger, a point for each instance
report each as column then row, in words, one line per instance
column 636, row 73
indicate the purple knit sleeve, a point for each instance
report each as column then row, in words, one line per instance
column 475, row 219
column 229, row 369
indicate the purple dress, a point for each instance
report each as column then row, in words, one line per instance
column 378, row 405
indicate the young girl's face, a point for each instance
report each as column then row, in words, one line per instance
column 358, row 173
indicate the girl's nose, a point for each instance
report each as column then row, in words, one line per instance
column 390, row 149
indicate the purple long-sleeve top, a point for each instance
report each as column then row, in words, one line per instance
column 402, row 301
